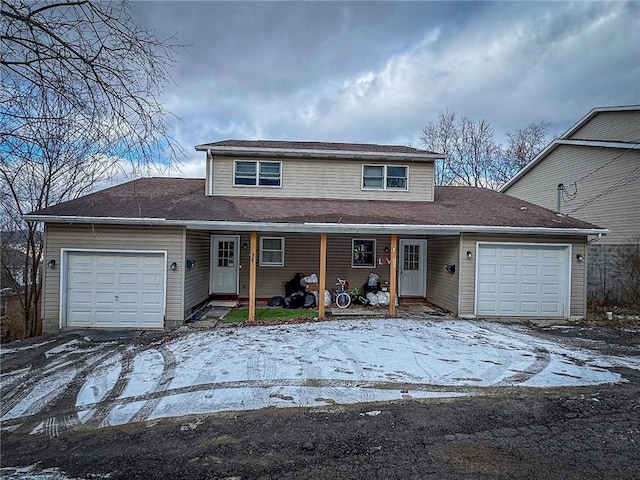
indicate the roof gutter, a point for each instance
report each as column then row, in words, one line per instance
column 311, row 227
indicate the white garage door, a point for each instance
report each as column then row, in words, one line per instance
column 106, row 289
column 522, row 280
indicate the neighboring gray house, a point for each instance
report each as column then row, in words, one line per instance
column 145, row 254
column 597, row 164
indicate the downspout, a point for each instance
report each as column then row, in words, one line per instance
column 559, row 199
column 594, row 240
column 209, row 173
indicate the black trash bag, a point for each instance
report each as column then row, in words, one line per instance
column 293, row 285
column 276, row 301
column 295, row 300
column 309, row 300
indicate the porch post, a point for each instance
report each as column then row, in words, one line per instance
column 252, row 276
column 393, row 275
column 323, row 275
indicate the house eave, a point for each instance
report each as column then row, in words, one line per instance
column 263, row 152
column 311, row 227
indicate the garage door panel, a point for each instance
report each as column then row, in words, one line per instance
column 529, row 270
column 507, row 306
column 508, row 288
column 522, row 280
column 508, row 270
column 115, row 289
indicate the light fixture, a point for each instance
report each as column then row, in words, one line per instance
column 468, row 253
column 451, row 268
column 51, row 263
column 386, row 249
column 174, row 265
column 579, row 257
column 190, row 263
column 245, row 246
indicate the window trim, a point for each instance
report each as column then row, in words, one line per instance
column 264, row 263
column 374, row 252
column 385, row 168
column 257, row 177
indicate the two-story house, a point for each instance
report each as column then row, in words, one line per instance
column 592, row 172
column 144, row 254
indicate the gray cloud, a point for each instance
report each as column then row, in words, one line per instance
column 378, row 72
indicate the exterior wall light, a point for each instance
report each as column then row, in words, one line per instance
column 468, row 253
column 191, row 263
column 451, row 268
column 174, row 265
column 51, row 264
column 580, row 257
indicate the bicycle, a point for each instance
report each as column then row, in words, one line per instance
column 343, row 300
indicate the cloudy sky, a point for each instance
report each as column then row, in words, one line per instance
column 378, row 72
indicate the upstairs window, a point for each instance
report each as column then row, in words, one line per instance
column 254, row 173
column 385, row 177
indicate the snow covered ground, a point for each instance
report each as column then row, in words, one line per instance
column 302, row 365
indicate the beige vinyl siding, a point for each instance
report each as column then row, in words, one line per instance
column 308, row 178
column 111, row 237
column 618, row 210
column 621, row 126
column 468, row 269
column 442, row 286
column 196, row 279
column 302, row 255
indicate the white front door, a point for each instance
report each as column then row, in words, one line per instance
column 224, row 264
column 412, row 276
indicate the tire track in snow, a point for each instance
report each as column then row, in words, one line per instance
column 542, row 360
column 107, row 405
column 168, row 373
column 39, row 376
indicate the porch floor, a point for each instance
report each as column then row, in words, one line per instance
column 215, row 311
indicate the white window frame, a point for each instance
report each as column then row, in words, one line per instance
column 385, row 168
column 257, row 164
column 374, row 252
column 264, row 263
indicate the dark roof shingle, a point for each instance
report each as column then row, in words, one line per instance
column 184, row 199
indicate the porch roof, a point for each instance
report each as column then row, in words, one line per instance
column 181, row 201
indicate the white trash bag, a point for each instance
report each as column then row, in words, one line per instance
column 373, row 280
column 383, row 298
column 327, row 298
column 313, row 278
column 373, row 298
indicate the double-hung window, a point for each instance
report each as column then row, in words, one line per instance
column 385, row 177
column 257, row 173
column 363, row 253
column 272, row 251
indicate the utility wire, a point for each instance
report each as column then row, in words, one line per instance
column 568, row 197
column 628, row 179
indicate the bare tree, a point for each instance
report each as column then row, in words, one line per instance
column 522, row 147
column 469, row 145
column 79, row 98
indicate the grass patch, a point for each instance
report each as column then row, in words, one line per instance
column 621, row 317
column 270, row 315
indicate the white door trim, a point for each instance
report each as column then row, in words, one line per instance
column 568, row 257
column 423, row 264
column 63, row 275
column 236, row 260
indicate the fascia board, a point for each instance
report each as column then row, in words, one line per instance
column 322, row 227
column 312, row 153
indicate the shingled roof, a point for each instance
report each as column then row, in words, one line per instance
column 333, row 146
column 182, row 200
